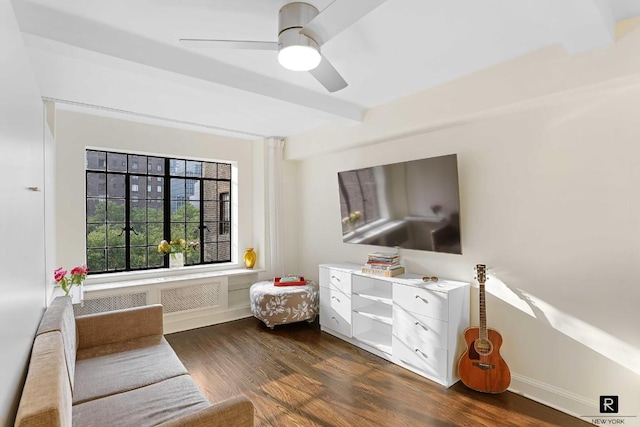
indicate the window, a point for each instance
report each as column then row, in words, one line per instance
column 358, row 190
column 225, row 213
column 125, row 223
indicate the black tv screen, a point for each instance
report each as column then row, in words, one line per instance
column 412, row 205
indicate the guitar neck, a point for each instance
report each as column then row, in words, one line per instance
column 481, row 277
column 483, row 313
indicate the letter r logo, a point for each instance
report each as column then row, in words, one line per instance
column 608, row 404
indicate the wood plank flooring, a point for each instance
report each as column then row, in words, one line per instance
column 298, row 376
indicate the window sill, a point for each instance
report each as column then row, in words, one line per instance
column 163, row 275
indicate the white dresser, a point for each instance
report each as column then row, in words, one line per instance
column 414, row 324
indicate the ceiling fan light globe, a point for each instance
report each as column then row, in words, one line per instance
column 299, row 58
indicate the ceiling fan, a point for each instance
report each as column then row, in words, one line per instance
column 302, row 29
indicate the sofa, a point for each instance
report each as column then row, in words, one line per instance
column 115, row 369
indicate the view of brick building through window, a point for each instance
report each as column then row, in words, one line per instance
column 135, row 201
column 358, row 194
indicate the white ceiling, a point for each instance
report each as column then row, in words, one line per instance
column 123, row 55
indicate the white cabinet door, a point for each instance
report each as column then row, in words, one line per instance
column 338, row 279
column 419, row 331
column 431, row 362
column 421, row 301
column 336, row 300
column 331, row 319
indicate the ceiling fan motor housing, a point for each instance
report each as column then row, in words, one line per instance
column 291, row 19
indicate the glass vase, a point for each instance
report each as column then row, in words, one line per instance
column 176, row 260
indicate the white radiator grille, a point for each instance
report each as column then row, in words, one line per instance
column 190, row 297
column 110, row 303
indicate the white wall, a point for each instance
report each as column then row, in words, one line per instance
column 50, row 196
column 550, row 201
column 75, row 132
column 22, row 288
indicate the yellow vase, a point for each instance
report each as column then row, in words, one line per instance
column 249, row 258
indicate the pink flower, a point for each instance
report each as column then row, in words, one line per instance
column 81, row 270
column 78, row 274
column 59, row 274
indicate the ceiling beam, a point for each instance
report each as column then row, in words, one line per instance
column 84, row 33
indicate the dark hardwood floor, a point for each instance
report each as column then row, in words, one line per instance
column 298, row 376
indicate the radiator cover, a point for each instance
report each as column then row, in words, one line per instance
column 110, row 303
column 198, row 296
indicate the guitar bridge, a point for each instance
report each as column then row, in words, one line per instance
column 484, row 366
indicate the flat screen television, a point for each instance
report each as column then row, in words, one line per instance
column 412, row 205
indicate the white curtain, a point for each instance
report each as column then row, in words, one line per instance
column 275, row 150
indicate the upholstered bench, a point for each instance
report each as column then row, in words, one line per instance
column 277, row 305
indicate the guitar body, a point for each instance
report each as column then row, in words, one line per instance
column 481, row 367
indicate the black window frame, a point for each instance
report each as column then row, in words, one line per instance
column 225, row 213
column 358, row 193
column 212, row 249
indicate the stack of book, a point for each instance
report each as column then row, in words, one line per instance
column 383, row 264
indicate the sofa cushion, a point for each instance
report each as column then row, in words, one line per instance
column 119, row 325
column 59, row 317
column 118, row 367
column 46, row 398
column 144, row 406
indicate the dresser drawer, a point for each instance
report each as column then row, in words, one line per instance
column 336, row 300
column 432, row 362
column 331, row 319
column 421, row 301
column 419, row 331
column 338, row 279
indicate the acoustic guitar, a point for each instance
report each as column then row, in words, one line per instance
column 481, row 367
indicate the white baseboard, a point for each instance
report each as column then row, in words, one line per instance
column 554, row 397
column 183, row 324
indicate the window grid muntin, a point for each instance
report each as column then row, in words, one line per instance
column 163, row 170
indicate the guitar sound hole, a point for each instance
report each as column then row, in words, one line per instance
column 483, row 347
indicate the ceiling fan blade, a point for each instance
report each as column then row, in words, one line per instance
column 230, row 44
column 337, row 17
column 328, row 76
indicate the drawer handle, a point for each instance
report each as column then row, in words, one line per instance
column 334, row 318
column 335, row 298
column 423, row 300
column 422, row 326
column 421, row 353
column 334, row 277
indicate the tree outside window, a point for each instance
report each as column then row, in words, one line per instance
column 125, row 223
